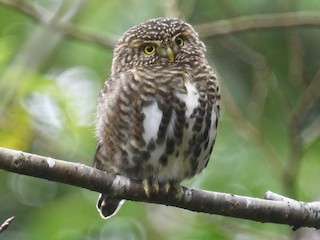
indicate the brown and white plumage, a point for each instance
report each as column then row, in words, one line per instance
column 158, row 111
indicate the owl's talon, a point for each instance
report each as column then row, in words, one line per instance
column 146, row 187
column 167, row 187
column 155, row 187
column 174, row 188
column 150, row 187
column 178, row 190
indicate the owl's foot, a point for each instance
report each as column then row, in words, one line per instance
column 150, row 187
column 174, row 188
column 171, row 188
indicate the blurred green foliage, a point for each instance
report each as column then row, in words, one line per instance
column 268, row 135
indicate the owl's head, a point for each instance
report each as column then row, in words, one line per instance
column 160, row 41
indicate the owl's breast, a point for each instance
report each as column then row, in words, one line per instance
column 178, row 135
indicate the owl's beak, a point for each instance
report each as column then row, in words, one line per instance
column 170, row 54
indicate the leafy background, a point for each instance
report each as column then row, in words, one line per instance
column 268, row 136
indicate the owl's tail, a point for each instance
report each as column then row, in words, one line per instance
column 108, row 206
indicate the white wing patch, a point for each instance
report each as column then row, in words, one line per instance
column 151, row 122
column 191, row 98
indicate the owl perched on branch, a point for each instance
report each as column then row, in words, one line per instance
column 158, row 112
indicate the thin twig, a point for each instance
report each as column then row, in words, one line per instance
column 6, row 224
column 296, row 214
column 259, row 22
column 310, row 96
column 277, row 197
column 43, row 16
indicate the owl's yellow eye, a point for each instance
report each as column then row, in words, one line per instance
column 179, row 41
column 149, row 49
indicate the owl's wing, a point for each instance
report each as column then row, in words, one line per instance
column 106, row 205
column 117, row 111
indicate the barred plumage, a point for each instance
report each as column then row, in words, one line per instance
column 158, row 111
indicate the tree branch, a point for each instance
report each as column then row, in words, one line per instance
column 277, row 210
column 211, row 29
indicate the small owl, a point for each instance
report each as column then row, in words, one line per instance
column 158, row 112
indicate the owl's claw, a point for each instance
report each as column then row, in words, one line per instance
column 174, row 188
column 167, row 187
column 151, row 187
column 155, row 187
column 146, row 187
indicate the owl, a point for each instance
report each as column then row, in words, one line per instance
column 158, row 111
